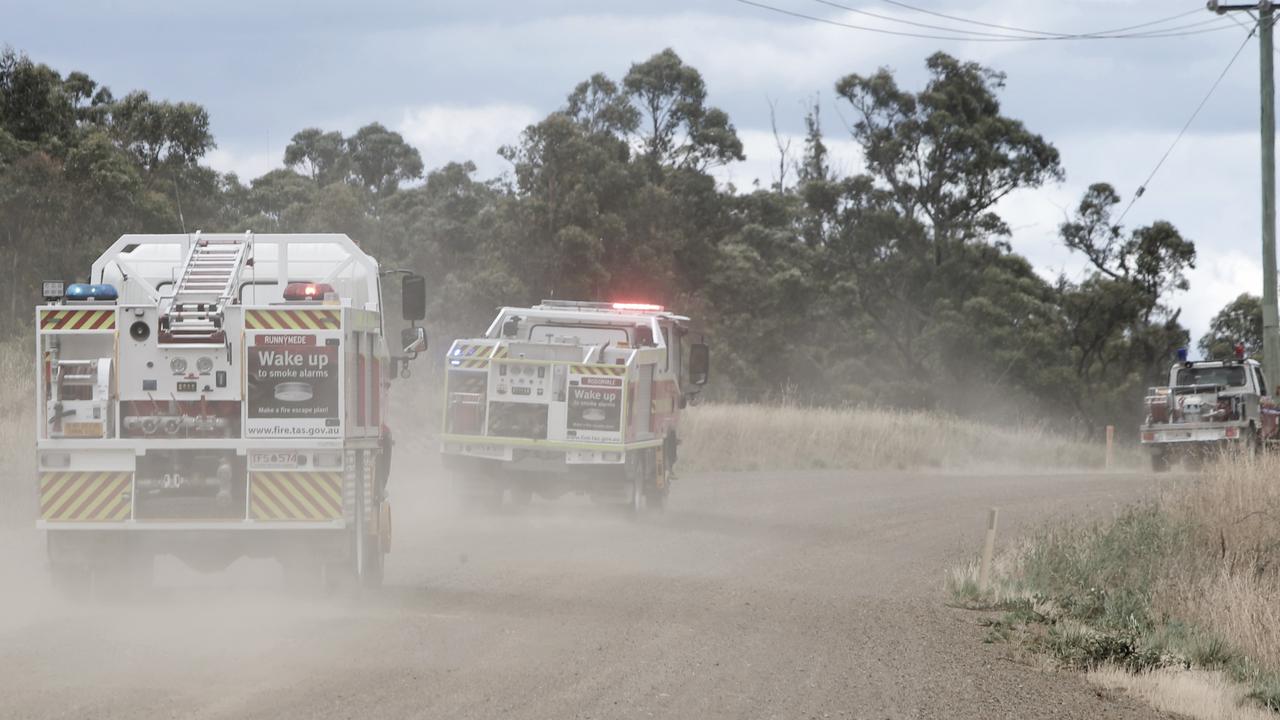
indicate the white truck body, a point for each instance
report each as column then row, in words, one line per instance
column 207, row 413
column 579, row 396
column 1205, row 406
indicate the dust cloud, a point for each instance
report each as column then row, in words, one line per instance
column 213, row 642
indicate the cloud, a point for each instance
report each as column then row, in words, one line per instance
column 246, row 164
column 448, row 133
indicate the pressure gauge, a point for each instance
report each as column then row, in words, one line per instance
column 204, row 365
column 178, row 365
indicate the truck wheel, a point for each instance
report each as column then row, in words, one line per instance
column 659, row 483
column 1159, row 462
column 1253, row 441
column 478, row 491
column 74, row 581
column 521, row 495
column 374, row 564
column 123, row 572
column 637, row 502
column 483, row 500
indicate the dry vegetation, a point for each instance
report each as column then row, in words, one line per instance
column 791, row 437
column 17, row 439
column 1187, row 584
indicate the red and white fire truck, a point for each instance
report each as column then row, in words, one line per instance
column 570, row 397
column 219, row 396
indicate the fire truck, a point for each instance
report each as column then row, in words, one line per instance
column 217, row 396
column 566, row 396
column 1208, row 405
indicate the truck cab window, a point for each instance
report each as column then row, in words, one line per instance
column 1229, row 376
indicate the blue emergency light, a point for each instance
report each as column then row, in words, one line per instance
column 1182, row 354
column 95, row 291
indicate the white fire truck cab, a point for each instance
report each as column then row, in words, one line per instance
column 219, row 396
column 570, row 397
column 1208, row 405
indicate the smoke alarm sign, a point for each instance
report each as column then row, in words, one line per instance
column 294, row 387
column 594, row 408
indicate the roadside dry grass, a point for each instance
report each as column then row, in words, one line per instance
column 17, row 439
column 1181, row 592
column 791, row 437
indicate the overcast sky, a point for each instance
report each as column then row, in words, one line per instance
column 459, row 79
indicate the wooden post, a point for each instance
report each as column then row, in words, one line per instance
column 1111, row 441
column 988, row 550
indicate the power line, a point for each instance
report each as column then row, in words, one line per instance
column 1142, row 189
column 956, row 18
column 971, row 38
column 1038, row 34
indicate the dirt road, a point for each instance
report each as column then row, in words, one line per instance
column 803, row 595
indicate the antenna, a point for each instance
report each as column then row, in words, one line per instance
column 182, row 221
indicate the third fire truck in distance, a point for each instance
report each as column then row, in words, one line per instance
column 1208, row 405
column 570, row 397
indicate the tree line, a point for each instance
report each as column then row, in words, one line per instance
column 895, row 285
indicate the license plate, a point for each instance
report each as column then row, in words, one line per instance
column 82, row 429
column 186, row 386
column 273, row 459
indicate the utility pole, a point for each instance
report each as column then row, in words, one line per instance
column 1266, row 64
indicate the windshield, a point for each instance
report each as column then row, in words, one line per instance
column 1229, row 376
column 578, row 334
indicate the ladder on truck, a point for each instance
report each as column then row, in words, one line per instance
column 205, row 287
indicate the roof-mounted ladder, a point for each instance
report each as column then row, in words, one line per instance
column 205, row 287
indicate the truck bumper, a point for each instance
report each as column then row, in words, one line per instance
column 540, row 453
column 1159, row 435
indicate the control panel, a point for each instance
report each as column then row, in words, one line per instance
column 528, row 382
column 151, row 372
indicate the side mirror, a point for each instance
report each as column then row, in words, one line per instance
column 413, row 340
column 413, row 298
column 699, row 363
column 511, row 327
column 644, row 336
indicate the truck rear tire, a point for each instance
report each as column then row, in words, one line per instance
column 1159, row 462
column 521, row 495
column 74, row 581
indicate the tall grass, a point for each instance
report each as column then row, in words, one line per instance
column 790, row 437
column 1189, row 580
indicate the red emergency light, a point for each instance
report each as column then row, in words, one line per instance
column 307, row 291
column 642, row 307
column 1239, row 348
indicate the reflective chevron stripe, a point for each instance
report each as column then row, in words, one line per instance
column 85, row 496
column 304, row 496
column 293, row 320
column 77, row 320
column 616, row 370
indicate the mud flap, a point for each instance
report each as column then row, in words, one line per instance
column 384, row 526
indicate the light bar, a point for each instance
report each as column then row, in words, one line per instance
column 307, row 291
column 642, row 307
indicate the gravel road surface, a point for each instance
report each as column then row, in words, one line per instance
column 757, row 595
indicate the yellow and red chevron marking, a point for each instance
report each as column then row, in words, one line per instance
column 501, row 352
column 305, row 496
column 77, row 320
column 598, row 369
column 85, row 496
column 293, row 319
column 471, row 356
